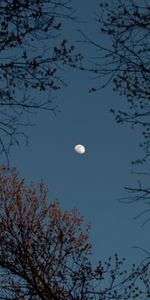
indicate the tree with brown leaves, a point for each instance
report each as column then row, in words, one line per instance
column 43, row 250
column 45, row 253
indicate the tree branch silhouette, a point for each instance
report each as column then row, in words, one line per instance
column 33, row 52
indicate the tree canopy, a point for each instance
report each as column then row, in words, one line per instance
column 45, row 251
column 33, row 51
column 124, row 60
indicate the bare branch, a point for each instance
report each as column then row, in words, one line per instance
column 33, row 52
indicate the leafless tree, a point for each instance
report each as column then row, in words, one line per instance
column 32, row 52
column 124, row 59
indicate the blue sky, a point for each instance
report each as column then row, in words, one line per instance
column 92, row 182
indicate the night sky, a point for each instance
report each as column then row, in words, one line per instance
column 92, row 182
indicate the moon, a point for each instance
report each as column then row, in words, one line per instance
column 79, row 149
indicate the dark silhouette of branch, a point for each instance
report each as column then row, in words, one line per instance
column 33, row 52
column 139, row 195
column 124, row 59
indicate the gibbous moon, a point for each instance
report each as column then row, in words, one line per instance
column 79, row 149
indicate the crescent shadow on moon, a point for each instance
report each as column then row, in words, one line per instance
column 80, row 149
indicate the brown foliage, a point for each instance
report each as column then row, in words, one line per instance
column 40, row 243
column 44, row 251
